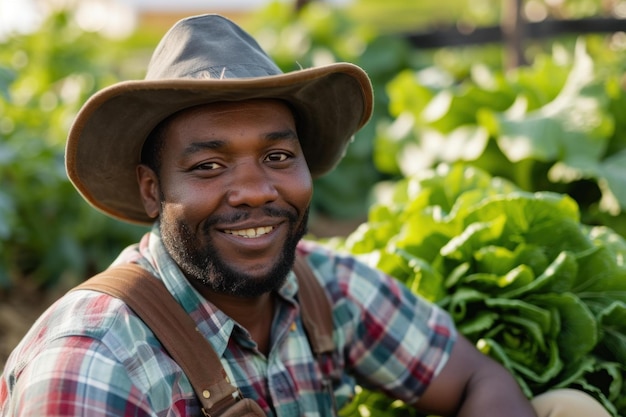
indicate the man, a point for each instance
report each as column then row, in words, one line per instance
column 217, row 149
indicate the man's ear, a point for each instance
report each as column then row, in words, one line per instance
column 149, row 190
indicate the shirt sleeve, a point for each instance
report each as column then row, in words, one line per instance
column 76, row 376
column 392, row 340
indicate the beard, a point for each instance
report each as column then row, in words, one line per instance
column 203, row 263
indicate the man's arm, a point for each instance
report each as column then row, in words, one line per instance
column 472, row 384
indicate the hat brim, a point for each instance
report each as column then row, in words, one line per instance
column 105, row 141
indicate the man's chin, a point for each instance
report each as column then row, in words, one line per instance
column 233, row 278
column 246, row 286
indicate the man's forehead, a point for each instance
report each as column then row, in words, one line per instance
column 230, row 107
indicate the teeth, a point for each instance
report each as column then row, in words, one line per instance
column 252, row 232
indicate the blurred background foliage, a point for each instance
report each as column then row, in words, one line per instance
column 46, row 233
column 432, row 105
column 557, row 124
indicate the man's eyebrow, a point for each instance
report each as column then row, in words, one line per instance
column 282, row 134
column 197, row 146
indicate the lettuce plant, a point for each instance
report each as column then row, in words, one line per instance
column 522, row 277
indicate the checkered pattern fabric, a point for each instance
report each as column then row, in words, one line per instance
column 90, row 355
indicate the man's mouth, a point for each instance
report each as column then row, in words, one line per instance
column 251, row 232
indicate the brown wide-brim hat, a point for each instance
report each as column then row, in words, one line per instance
column 205, row 59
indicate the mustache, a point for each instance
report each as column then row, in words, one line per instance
column 241, row 215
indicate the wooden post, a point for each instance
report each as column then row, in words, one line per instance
column 513, row 32
column 301, row 3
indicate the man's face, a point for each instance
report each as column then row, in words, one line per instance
column 232, row 195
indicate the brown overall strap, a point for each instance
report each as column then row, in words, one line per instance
column 174, row 328
column 317, row 314
column 152, row 302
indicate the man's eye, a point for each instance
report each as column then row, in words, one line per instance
column 277, row 157
column 207, row 166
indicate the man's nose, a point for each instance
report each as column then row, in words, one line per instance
column 251, row 185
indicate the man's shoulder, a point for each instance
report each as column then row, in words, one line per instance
column 82, row 313
column 94, row 343
column 356, row 280
column 103, row 319
column 320, row 253
column 332, row 264
column 346, row 278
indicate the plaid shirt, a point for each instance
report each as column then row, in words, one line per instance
column 90, row 355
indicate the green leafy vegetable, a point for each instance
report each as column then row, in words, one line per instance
column 519, row 273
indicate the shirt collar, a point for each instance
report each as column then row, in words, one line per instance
column 216, row 326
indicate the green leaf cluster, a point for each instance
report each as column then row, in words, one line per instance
column 521, row 276
column 48, row 235
column 557, row 125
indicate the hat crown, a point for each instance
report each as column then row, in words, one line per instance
column 209, row 47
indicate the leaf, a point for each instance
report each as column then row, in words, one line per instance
column 494, row 259
column 575, row 127
column 478, row 324
column 493, row 284
column 369, row 237
column 457, row 274
column 454, row 188
column 422, row 235
column 406, row 94
column 457, row 303
column 464, row 143
column 558, row 277
column 524, row 309
column 613, row 332
column 526, row 211
column 425, row 280
column 603, row 381
column 578, row 334
column 392, row 263
column 541, row 372
column 600, row 279
column 7, row 77
column 524, row 337
column 532, row 256
column 558, row 235
column 613, row 170
column 473, row 237
column 394, row 137
column 574, row 371
column 7, row 215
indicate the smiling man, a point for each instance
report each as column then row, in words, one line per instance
column 217, row 149
column 232, row 188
